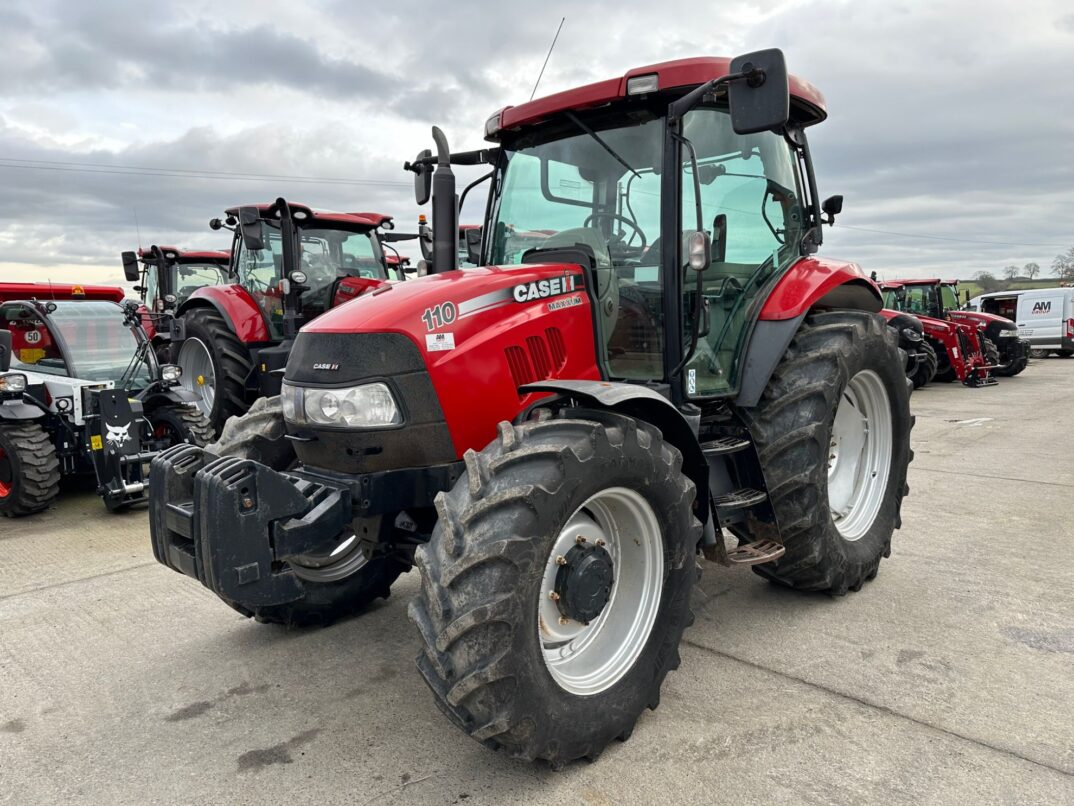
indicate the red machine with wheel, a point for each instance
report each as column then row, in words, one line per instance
column 957, row 346
column 289, row 264
column 661, row 370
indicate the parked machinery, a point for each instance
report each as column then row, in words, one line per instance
column 555, row 437
column 81, row 391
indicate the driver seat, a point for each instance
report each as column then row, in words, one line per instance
column 607, row 282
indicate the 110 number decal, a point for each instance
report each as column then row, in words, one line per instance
column 439, row 315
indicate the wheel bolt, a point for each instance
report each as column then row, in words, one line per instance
column 561, row 560
column 564, row 621
column 553, row 596
column 600, row 542
column 579, row 539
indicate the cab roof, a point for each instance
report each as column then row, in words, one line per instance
column 359, row 222
column 191, row 256
column 913, row 281
column 807, row 103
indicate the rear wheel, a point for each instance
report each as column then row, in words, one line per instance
column 215, row 366
column 926, row 365
column 338, row 582
column 556, row 586
column 29, row 469
column 1039, row 353
column 833, row 433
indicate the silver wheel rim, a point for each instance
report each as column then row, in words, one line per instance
column 859, row 455
column 348, row 557
column 588, row 659
column 198, row 375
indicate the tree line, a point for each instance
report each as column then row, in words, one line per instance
column 1062, row 268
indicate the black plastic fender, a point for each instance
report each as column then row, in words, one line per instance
column 646, row 404
column 17, row 410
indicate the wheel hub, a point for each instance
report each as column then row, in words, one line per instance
column 584, row 582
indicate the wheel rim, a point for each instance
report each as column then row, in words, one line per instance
column 859, row 456
column 348, row 557
column 198, row 376
column 586, row 659
column 7, row 474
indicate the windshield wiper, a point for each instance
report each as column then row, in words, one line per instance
column 573, row 118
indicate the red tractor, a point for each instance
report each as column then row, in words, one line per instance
column 957, row 347
column 167, row 276
column 920, row 356
column 555, row 439
column 289, row 264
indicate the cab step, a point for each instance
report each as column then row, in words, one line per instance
column 721, row 446
column 743, row 498
column 755, row 553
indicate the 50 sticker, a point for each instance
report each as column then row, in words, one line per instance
column 439, row 315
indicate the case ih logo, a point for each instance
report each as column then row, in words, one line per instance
column 526, row 292
column 1042, row 307
column 327, row 367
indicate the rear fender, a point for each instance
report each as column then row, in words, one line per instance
column 17, row 410
column 643, row 403
column 236, row 306
column 810, row 284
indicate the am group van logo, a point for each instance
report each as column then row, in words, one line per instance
column 1044, row 306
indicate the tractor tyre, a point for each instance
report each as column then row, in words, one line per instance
column 335, row 589
column 1014, row 368
column 173, row 425
column 926, row 366
column 832, row 431
column 990, row 352
column 556, row 587
column 215, row 366
column 945, row 371
column 29, row 469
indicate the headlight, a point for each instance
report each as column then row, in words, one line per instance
column 171, row 373
column 1007, row 334
column 370, row 405
column 13, row 383
column 910, row 334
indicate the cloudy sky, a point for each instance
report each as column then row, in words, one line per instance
column 951, row 132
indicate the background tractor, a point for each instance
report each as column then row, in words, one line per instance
column 921, row 361
column 166, row 278
column 290, row 264
column 958, row 347
column 999, row 335
column 81, row 392
column 556, row 436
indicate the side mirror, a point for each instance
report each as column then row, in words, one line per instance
column 5, row 350
column 719, row 239
column 762, row 101
column 832, row 206
column 473, row 245
column 139, row 289
column 423, row 178
column 250, row 227
column 215, row 224
column 131, row 270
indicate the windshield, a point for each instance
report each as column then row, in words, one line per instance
column 563, row 186
column 949, row 297
column 192, row 276
column 325, row 256
column 99, row 345
column 919, row 299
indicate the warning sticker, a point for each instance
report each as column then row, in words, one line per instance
column 96, row 442
column 434, row 342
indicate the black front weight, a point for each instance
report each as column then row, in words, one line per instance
column 231, row 523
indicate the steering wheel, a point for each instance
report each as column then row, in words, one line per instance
column 636, row 230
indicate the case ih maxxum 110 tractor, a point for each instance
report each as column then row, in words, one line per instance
column 555, row 436
column 289, row 264
column 81, row 392
column 166, row 278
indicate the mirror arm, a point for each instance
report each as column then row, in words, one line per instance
column 469, row 187
column 679, row 108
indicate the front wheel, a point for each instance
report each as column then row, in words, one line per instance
column 556, row 586
column 926, row 365
column 833, row 433
column 215, row 366
column 29, row 469
column 173, row 425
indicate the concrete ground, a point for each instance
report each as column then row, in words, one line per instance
column 948, row 679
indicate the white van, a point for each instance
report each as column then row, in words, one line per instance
column 1046, row 318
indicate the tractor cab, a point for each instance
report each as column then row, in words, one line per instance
column 292, row 259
